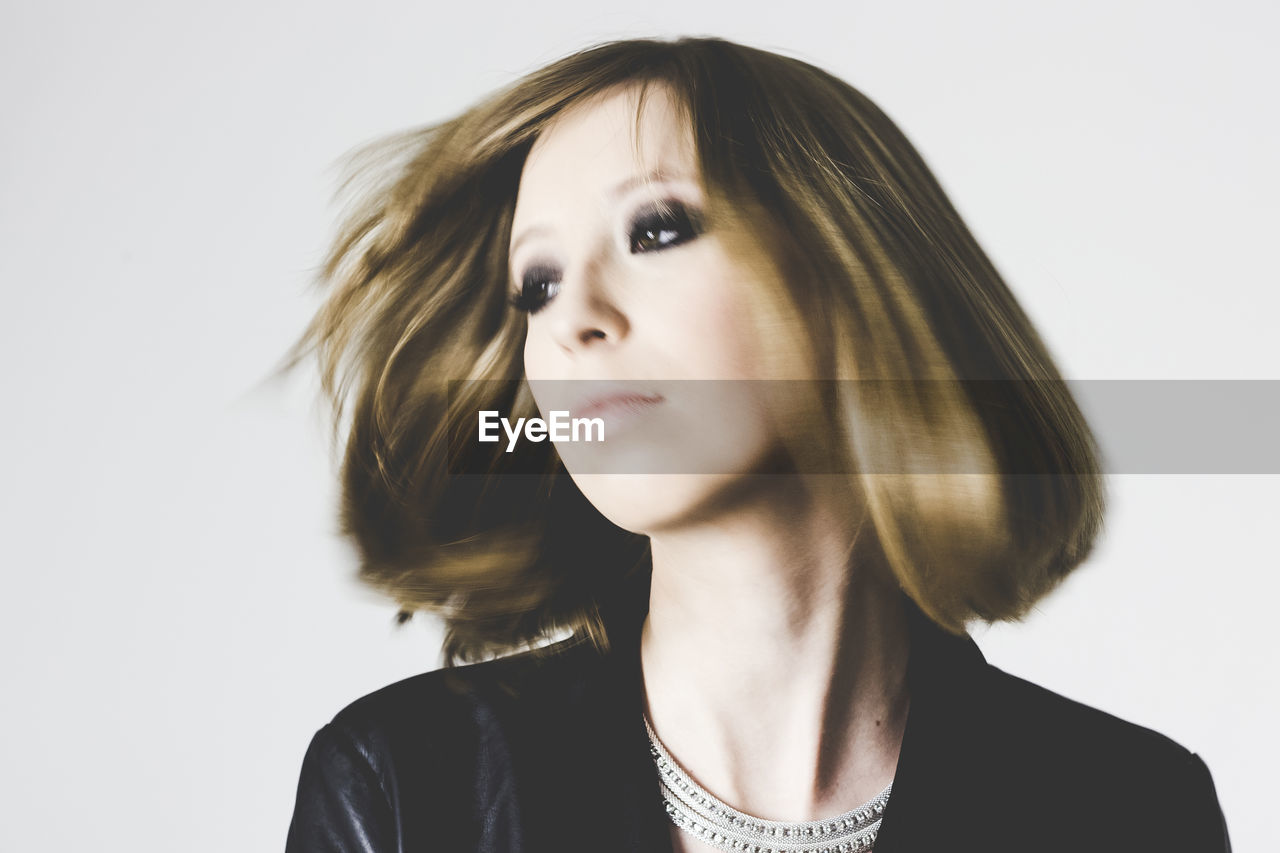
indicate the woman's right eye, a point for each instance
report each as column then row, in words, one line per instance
column 538, row 287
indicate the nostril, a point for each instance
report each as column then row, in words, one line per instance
column 586, row 336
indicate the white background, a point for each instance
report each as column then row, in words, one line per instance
column 178, row 615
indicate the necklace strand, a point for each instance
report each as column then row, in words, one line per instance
column 699, row 813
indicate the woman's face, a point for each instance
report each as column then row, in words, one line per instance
column 632, row 291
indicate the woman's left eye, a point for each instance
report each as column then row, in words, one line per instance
column 670, row 224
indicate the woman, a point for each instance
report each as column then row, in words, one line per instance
column 836, row 440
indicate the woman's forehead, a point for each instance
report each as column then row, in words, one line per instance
column 592, row 146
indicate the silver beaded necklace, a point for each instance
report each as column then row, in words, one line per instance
column 698, row 813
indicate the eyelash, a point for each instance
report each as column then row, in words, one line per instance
column 650, row 224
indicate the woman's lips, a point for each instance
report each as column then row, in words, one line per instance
column 613, row 409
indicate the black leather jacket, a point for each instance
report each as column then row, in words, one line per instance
column 541, row 754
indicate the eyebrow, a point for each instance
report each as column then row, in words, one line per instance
column 657, row 175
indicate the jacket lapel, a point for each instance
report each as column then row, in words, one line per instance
column 589, row 783
column 935, row 804
column 642, row 823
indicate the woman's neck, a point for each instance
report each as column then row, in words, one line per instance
column 774, row 661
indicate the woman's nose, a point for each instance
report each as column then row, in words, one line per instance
column 589, row 314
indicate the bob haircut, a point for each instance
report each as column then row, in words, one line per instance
column 883, row 281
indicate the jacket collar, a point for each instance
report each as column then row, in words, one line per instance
column 934, row 785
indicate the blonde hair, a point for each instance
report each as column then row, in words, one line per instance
column 882, row 273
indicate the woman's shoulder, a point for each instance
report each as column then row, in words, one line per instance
column 1052, row 754
column 1036, row 721
column 1030, row 768
column 979, row 707
column 438, row 740
column 455, row 694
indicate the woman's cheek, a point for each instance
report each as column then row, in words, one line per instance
column 708, row 328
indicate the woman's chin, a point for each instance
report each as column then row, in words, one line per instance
column 652, row 503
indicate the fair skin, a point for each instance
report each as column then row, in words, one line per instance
column 794, row 706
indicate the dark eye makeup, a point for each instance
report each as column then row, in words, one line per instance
column 667, row 224
column 654, row 228
column 538, row 287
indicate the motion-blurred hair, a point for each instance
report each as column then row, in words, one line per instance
column 883, row 278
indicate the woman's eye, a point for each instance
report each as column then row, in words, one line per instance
column 668, row 225
column 661, row 227
column 538, row 287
